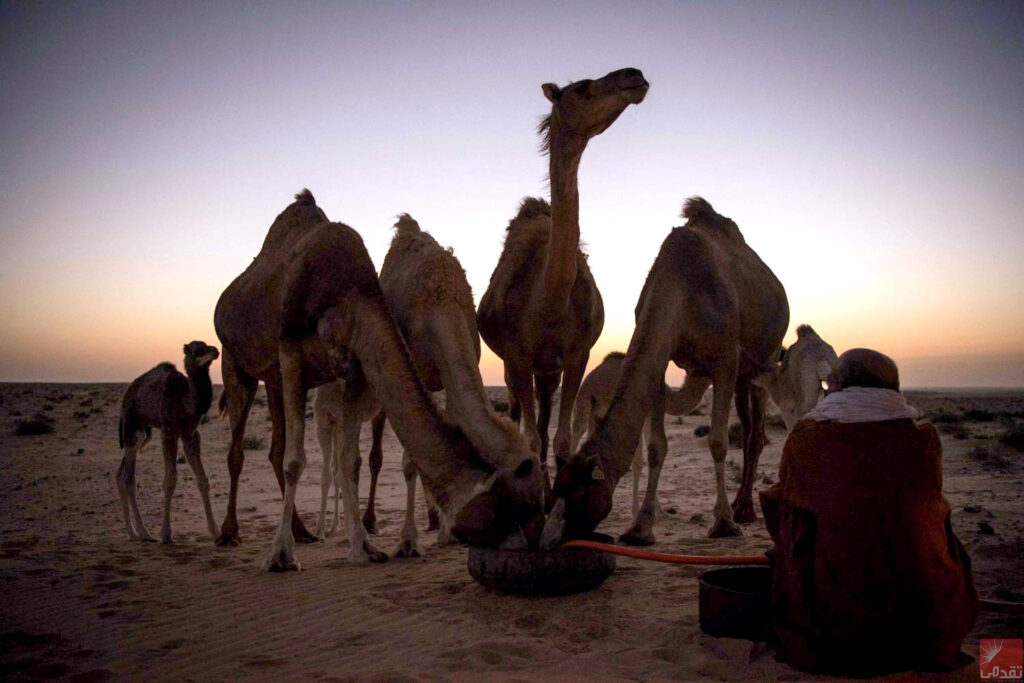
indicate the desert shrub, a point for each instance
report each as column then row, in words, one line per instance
column 253, row 443
column 979, row 416
column 992, row 458
column 702, row 430
column 943, row 417
column 1013, row 436
column 34, row 427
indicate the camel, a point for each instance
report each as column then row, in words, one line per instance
column 309, row 310
column 794, row 384
column 713, row 307
column 427, row 292
column 542, row 311
column 165, row 399
column 329, row 407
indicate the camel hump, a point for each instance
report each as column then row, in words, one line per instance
column 532, row 207
column 614, row 355
column 698, row 207
column 407, row 225
column 806, row 332
column 305, row 197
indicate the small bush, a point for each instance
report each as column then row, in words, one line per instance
column 253, row 443
column 942, row 417
column 34, row 427
column 979, row 416
column 1013, row 436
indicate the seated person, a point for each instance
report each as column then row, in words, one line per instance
column 869, row 576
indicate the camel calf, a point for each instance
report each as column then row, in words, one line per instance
column 173, row 403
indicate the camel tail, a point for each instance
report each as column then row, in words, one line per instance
column 698, row 207
column 805, row 332
column 305, row 197
column 407, row 225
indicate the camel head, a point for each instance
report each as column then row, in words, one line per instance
column 588, row 107
column 199, row 355
column 511, row 500
column 581, row 498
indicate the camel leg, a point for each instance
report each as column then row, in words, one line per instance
column 638, row 466
column 240, row 389
column 291, row 395
column 718, row 441
column 376, row 462
column 169, row 437
column 754, row 400
column 193, row 447
column 279, row 438
column 642, row 530
column 324, row 433
column 126, row 489
column 545, row 389
column 520, row 384
column 408, row 546
column 572, row 377
column 359, row 549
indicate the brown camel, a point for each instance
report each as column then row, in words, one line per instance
column 165, row 399
column 309, row 310
column 793, row 383
column 542, row 311
column 427, row 292
column 715, row 309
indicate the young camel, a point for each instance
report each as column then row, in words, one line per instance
column 542, row 311
column 309, row 310
column 794, row 384
column 165, row 399
column 329, row 406
column 715, row 309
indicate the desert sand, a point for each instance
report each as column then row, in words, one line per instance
column 80, row 601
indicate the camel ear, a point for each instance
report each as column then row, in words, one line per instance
column 597, row 474
column 552, row 92
column 184, row 349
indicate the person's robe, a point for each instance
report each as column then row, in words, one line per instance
column 868, row 575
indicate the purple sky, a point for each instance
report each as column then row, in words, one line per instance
column 872, row 153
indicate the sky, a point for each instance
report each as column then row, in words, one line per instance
column 872, row 153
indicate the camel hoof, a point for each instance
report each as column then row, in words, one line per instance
column 374, row 555
column 635, row 537
column 302, row 535
column 281, row 563
column 228, row 541
column 744, row 515
column 724, row 528
column 408, row 549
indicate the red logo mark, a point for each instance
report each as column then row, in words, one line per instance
column 1002, row 659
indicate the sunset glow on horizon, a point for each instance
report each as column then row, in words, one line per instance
column 873, row 156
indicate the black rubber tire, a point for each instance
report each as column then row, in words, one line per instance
column 540, row 572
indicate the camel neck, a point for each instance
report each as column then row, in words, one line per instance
column 441, row 454
column 559, row 274
column 466, row 400
column 200, row 389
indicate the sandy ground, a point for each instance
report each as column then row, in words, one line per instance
column 80, row 601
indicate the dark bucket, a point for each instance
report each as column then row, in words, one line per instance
column 561, row 571
column 734, row 602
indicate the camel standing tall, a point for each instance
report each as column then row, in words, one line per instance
column 713, row 307
column 793, row 383
column 427, row 292
column 309, row 310
column 542, row 311
column 174, row 403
